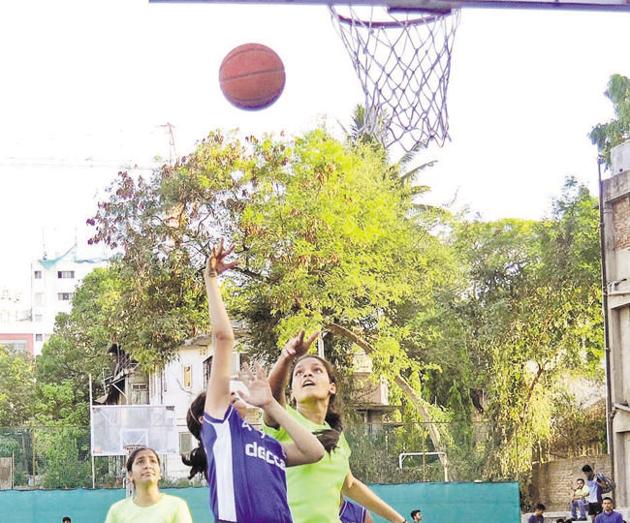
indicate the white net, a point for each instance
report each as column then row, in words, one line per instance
column 403, row 61
column 118, row 428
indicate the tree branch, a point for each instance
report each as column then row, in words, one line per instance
column 403, row 384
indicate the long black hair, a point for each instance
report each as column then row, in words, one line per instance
column 197, row 459
column 329, row 438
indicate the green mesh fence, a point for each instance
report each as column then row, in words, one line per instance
column 439, row 502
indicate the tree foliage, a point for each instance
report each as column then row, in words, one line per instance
column 17, row 388
column 615, row 132
column 78, row 348
column 325, row 233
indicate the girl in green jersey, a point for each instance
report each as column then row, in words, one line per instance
column 314, row 490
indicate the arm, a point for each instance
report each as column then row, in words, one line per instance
column 305, row 448
column 218, row 388
column 279, row 375
column 358, row 491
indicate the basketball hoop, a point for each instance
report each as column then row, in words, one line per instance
column 403, row 61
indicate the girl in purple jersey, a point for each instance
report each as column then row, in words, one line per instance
column 245, row 468
column 351, row 512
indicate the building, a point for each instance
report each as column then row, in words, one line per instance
column 179, row 383
column 615, row 202
column 16, row 330
column 176, row 385
column 53, row 283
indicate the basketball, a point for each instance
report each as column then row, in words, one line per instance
column 252, row 76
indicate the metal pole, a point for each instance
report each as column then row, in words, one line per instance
column 602, row 247
column 91, row 440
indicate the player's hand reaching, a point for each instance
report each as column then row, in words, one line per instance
column 259, row 394
column 217, row 263
column 298, row 346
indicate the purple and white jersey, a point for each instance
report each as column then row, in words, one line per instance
column 351, row 512
column 246, row 471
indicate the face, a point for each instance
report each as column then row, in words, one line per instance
column 145, row 468
column 538, row 512
column 580, row 483
column 607, row 505
column 418, row 517
column 311, row 381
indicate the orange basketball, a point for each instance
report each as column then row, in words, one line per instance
column 252, row 76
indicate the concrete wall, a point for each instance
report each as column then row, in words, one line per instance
column 616, row 204
column 554, row 481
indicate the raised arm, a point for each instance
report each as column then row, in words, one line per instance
column 218, row 388
column 305, row 448
column 360, row 492
column 279, row 375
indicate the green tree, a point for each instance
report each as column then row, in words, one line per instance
column 610, row 134
column 78, row 348
column 17, row 388
column 323, row 229
column 532, row 314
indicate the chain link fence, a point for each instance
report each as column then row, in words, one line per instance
column 402, row 453
column 54, row 457
column 59, row 457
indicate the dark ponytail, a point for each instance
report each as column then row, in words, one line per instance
column 197, row 459
column 329, row 438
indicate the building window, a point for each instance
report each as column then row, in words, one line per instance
column 39, row 337
column 64, row 296
column 39, row 298
column 38, row 318
column 37, row 275
column 185, row 443
column 187, row 377
column 14, row 346
column 65, row 275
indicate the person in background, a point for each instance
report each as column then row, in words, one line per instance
column 148, row 503
column 350, row 512
column 66, row 519
column 594, row 497
column 537, row 516
column 416, row 515
column 578, row 501
column 608, row 515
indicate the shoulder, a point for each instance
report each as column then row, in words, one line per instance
column 119, row 505
column 173, row 501
column 211, row 420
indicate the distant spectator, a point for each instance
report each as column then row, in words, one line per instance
column 608, row 515
column 537, row 516
column 594, row 497
column 579, row 501
column 416, row 515
column 66, row 519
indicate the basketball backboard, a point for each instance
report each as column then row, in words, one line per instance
column 442, row 5
column 116, row 428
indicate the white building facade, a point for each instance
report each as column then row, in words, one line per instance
column 177, row 385
column 53, row 283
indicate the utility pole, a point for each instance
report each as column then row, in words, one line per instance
column 172, row 153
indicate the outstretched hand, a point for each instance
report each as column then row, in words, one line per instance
column 217, row 263
column 298, row 346
column 259, row 394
